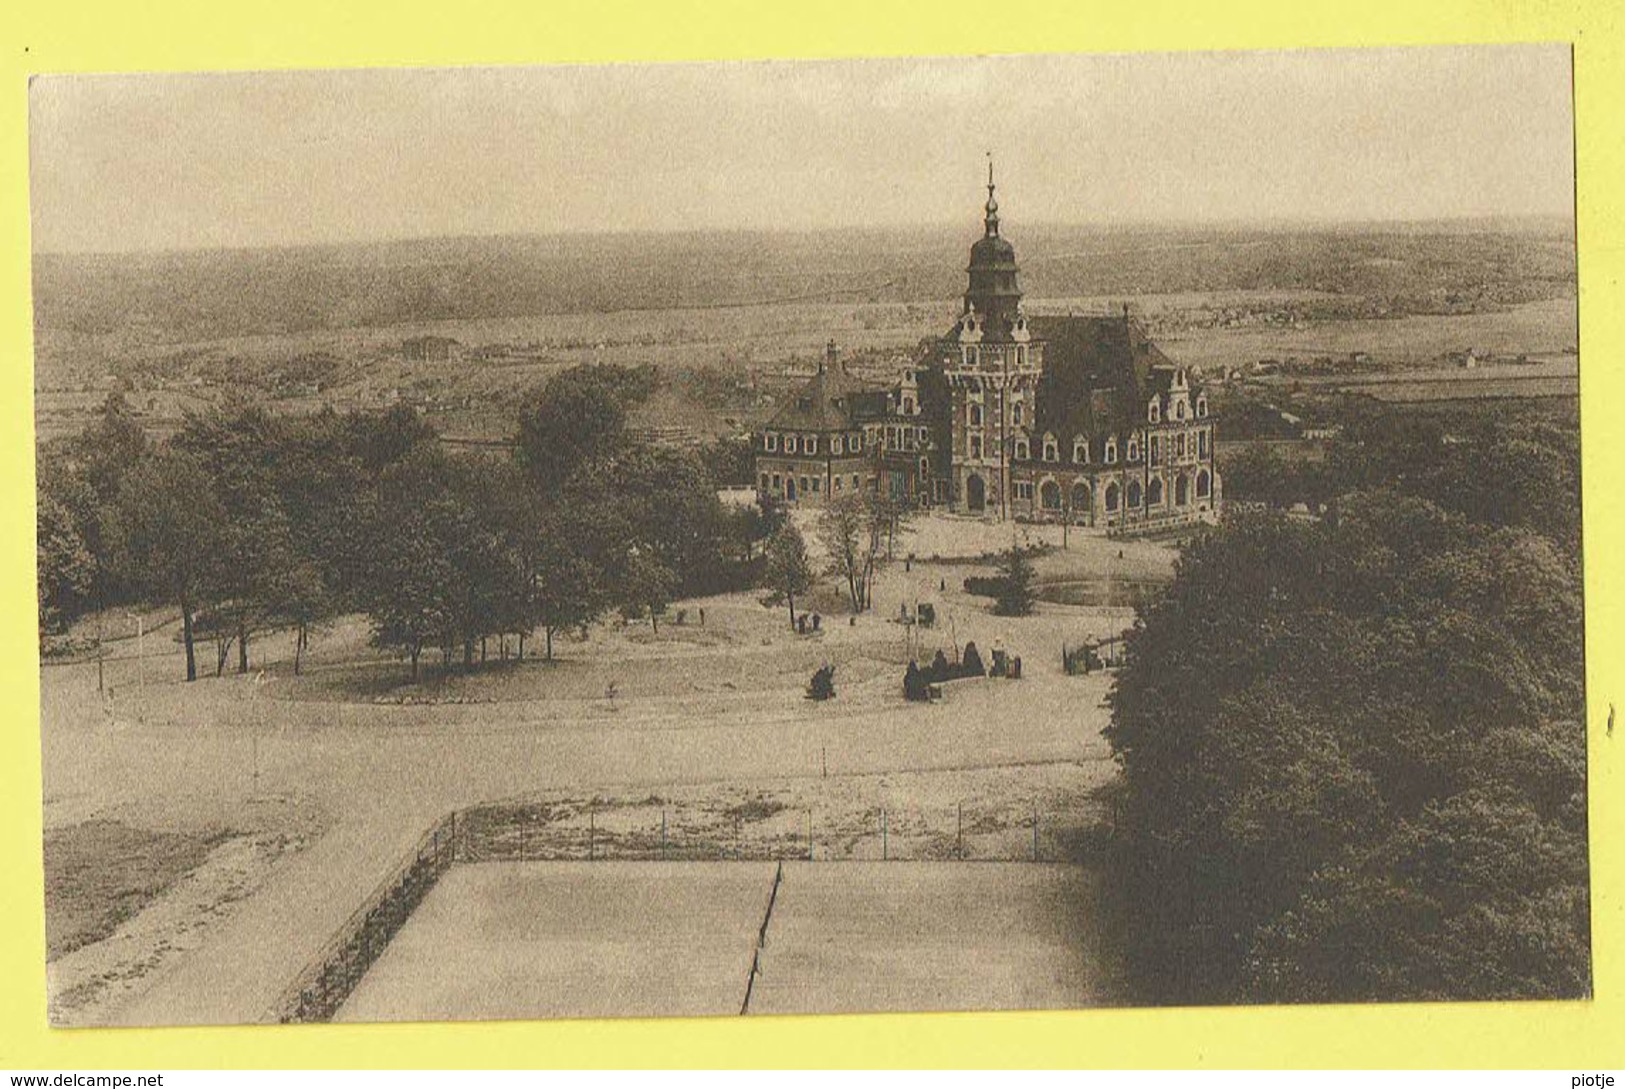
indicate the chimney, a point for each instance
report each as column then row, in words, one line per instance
column 831, row 356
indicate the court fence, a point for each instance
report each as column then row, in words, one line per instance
column 649, row 831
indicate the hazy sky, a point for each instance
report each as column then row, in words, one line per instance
column 163, row 161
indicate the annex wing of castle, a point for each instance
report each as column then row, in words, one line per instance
column 1006, row 416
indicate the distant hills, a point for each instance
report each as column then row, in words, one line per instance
column 186, row 296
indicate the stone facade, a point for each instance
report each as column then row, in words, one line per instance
column 1078, row 419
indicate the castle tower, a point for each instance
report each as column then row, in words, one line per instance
column 992, row 365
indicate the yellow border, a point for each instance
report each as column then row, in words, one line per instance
column 116, row 35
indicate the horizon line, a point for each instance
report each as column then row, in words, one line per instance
column 1563, row 222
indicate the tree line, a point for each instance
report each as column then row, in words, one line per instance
column 1354, row 747
column 247, row 523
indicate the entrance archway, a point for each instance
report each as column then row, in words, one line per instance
column 1182, row 490
column 975, row 494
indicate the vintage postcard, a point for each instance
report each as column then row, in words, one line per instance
column 796, row 537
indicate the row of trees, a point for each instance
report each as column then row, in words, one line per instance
column 245, row 523
column 1353, row 748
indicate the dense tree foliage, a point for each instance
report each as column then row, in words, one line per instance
column 1353, row 747
column 248, row 523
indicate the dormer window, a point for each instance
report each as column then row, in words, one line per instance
column 1153, row 411
column 1201, row 408
column 1080, row 450
column 1111, row 450
column 1052, row 452
column 908, row 406
column 1023, row 452
column 1133, row 450
column 1179, row 410
column 772, row 441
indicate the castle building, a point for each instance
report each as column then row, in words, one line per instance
column 1078, row 419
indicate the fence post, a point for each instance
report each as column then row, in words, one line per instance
column 959, row 837
column 1035, row 833
column 592, row 835
column 885, row 852
column 662, row 835
column 809, row 836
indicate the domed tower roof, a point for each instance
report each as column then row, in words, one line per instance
column 993, row 290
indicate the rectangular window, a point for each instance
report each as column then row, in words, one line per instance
column 764, row 482
column 778, row 483
column 815, row 482
column 772, row 441
column 835, row 444
column 1201, row 441
column 811, row 444
column 789, row 444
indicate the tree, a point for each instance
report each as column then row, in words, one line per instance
column 66, row 571
column 786, row 571
column 577, row 417
column 1014, row 584
column 1352, row 760
column 646, row 583
column 166, row 507
column 842, row 526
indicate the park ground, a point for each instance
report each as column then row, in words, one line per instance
column 204, row 840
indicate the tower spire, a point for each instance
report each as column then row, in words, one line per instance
column 991, row 222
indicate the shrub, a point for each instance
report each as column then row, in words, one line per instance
column 822, row 685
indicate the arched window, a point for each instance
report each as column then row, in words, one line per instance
column 1156, row 450
column 1111, row 497
column 1015, row 413
column 835, row 444
column 1133, row 493
column 772, row 441
column 1111, row 450
column 1080, row 450
column 1133, row 450
column 1204, row 485
column 789, row 444
column 1052, row 452
column 1201, row 408
column 976, row 446
column 1081, row 499
column 1049, row 494
column 1153, row 411
column 1201, row 443
column 1153, row 493
column 1022, row 450
column 1179, row 411
column 1182, row 490
column 976, row 415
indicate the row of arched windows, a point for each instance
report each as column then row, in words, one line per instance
column 1050, row 494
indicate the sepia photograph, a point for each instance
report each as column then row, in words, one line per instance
column 802, row 537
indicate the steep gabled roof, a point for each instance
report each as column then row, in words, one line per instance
column 828, row 401
column 1098, row 372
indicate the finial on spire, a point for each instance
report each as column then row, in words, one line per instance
column 992, row 220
